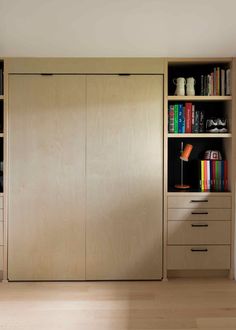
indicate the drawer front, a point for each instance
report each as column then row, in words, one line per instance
column 199, row 214
column 1, row 202
column 194, row 202
column 1, row 257
column 192, row 232
column 1, row 233
column 199, row 257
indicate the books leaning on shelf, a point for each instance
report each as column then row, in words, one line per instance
column 218, row 82
column 184, row 118
column 213, row 175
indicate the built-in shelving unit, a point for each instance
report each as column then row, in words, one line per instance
column 198, row 224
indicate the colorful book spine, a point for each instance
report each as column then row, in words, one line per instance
column 202, row 85
column 196, row 122
column 188, row 117
column 180, row 118
column 201, row 122
column 193, row 117
column 217, row 175
column 208, row 166
column 212, row 83
column 217, row 81
column 228, row 82
column 222, row 80
column 184, row 120
column 202, row 176
column 176, row 118
column 213, row 175
column 171, row 116
column 225, row 175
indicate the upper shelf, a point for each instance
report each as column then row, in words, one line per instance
column 1, row 97
column 199, row 135
column 199, row 98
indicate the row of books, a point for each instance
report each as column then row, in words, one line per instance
column 217, row 82
column 184, row 118
column 214, row 175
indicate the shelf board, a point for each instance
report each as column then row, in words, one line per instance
column 199, row 135
column 1, row 97
column 1, row 135
column 199, row 98
column 203, row 193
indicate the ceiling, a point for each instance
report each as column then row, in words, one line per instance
column 93, row 28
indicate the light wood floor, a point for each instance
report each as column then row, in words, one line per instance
column 176, row 304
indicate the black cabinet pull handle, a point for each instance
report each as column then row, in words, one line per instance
column 199, row 201
column 199, row 250
column 199, row 212
column 199, row 225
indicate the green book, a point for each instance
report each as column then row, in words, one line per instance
column 176, row 118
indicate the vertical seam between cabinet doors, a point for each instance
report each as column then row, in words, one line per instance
column 85, row 173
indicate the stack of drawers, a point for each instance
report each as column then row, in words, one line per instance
column 1, row 233
column 199, row 232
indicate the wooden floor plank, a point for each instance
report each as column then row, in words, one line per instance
column 195, row 304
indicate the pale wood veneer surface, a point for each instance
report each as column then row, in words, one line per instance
column 46, row 177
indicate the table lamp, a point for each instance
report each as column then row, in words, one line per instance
column 184, row 157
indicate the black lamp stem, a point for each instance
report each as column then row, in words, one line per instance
column 182, row 165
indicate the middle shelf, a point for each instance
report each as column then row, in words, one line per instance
column 199, row 135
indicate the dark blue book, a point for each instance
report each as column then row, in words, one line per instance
column 180, row 118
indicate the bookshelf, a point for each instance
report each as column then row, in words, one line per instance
column 188, row 205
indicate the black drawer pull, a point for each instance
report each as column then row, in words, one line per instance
column 199, row 225
column 199, row 212
column 199, row 201
column 199, row 250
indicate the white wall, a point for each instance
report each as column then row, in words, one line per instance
column 117, row 28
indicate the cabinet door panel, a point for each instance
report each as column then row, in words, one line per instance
column 47, row 177
column 124, row 177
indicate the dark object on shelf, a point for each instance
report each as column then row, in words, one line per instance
column 212, row 155
column 216, row 125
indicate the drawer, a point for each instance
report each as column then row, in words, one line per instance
column 1, row 233
column 193, row 202
column 1, row 257
column 199, row 214
column 199, row 257
column 1, row 202
column 192, row 232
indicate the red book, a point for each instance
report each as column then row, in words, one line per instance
column 188, row 117
column 225, row 175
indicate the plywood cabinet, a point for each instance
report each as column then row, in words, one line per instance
column 124, row 177
column 85, row 177
column 46, row 177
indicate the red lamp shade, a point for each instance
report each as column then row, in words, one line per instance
column 186, row 152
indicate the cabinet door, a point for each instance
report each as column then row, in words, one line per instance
column 46, row 177
column 124, row 177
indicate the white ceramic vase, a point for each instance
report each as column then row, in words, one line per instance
column 180, row 86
